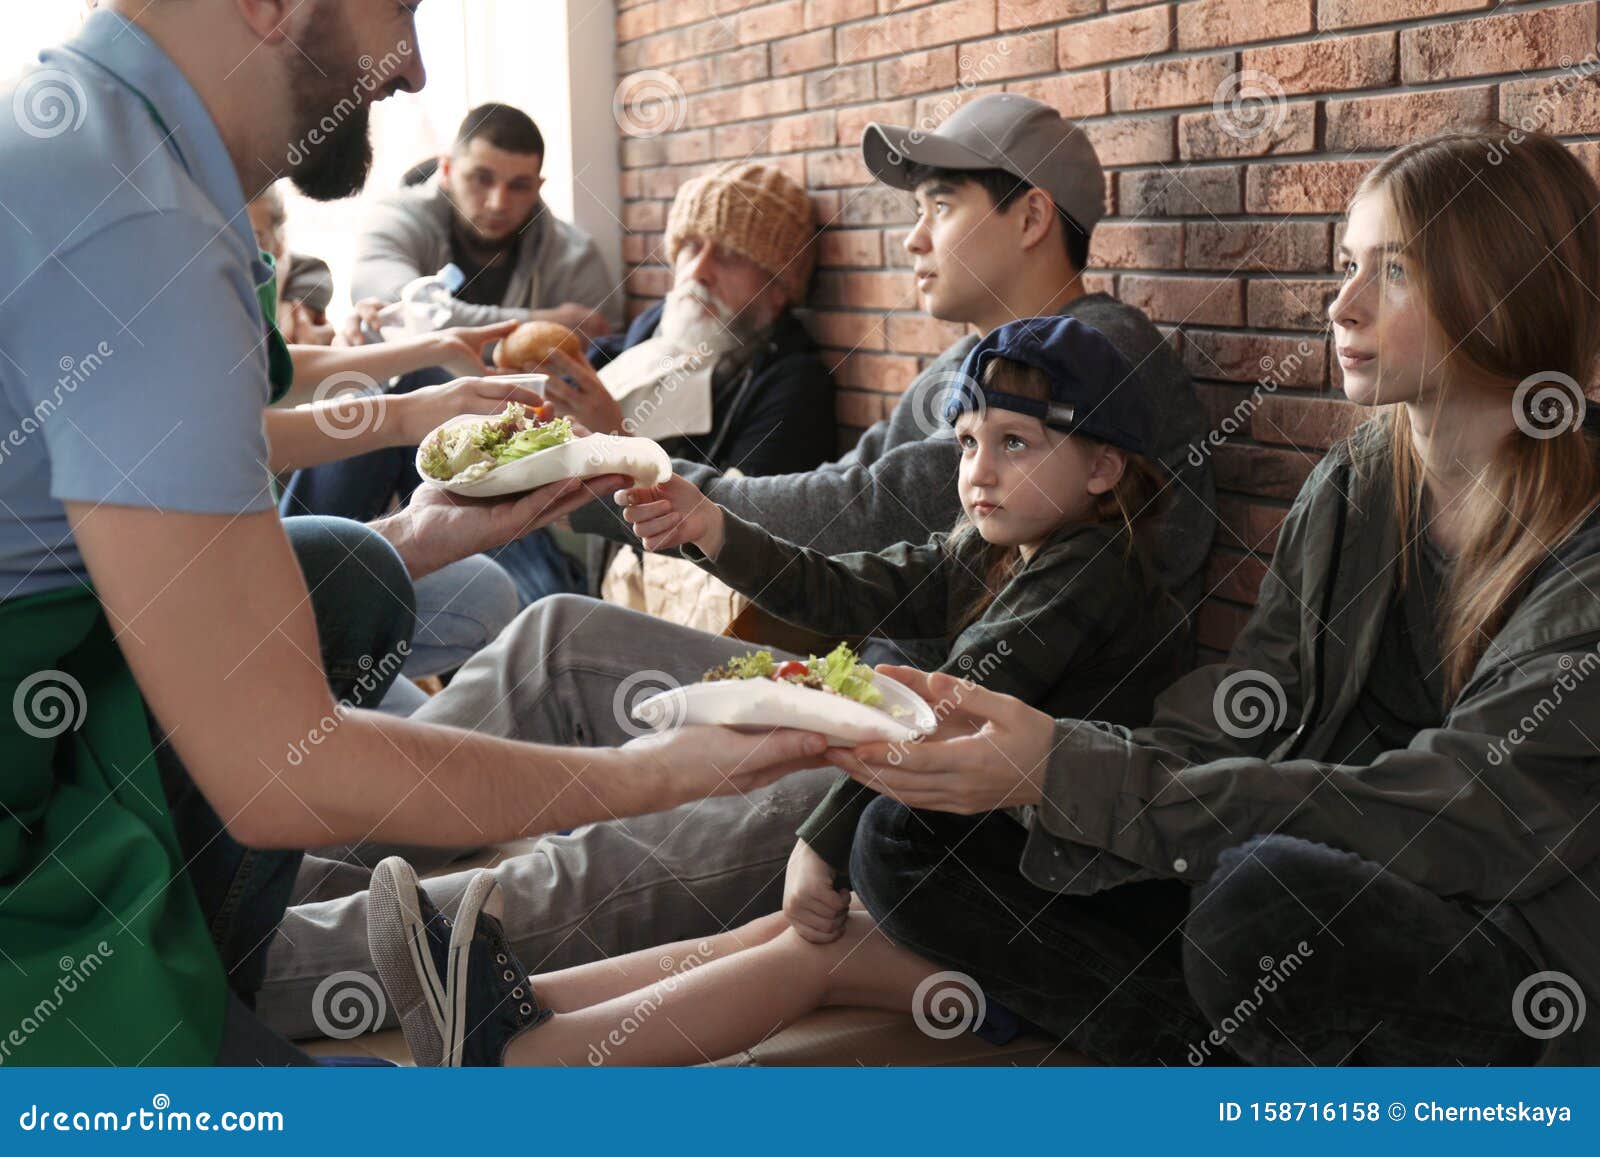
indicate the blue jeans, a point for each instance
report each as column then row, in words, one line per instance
column 362, row 598
column 1152, row 972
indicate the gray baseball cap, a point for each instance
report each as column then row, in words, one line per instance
column 1004, row 130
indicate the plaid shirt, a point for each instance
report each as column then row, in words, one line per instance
column 1078, row 631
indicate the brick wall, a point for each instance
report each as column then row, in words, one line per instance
column 1221, row 212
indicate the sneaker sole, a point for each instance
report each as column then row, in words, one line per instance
column 398, row 941
column 456, row 1027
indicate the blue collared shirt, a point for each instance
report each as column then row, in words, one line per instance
column 133, row 369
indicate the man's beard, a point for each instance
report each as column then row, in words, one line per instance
column 687, row 325
column 337, row 164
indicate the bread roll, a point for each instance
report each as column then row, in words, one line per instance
column 531, row 342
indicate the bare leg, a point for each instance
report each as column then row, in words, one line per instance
column 570, row 989
column 729, row 1003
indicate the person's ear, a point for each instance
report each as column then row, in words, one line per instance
column 1035, row 213
column 272, row 21
column 447, row 166
column 1110, row 462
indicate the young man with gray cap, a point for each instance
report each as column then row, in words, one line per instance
column 1008, row 192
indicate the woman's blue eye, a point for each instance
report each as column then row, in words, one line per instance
column 1396, row 271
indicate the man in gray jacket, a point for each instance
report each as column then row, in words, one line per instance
column 484, row 215
column 1001, row 234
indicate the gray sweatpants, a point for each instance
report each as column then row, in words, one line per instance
column 557, row 674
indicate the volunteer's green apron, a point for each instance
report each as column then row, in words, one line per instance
column 105, row 954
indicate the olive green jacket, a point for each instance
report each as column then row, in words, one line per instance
column 1498, row 807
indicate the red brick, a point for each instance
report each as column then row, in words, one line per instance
column 1217, row 624
column 1329, row 65
column 876, row 205
column 1258, row 470
column 1234, row 575
column 638, row 152
column 747, row 102
column 1350, row 13
column 1284, row 362
column 1191, row 300
column 1257, row 129
column 851, row 121
column 1249, row 526
column 1299, row 246
column 798, row 133
column 864, row 290
column 1099, row 283
column 1080, row 94
column 1515, row 42
column 1315, row 422
column 848, row 330
column 741, row 67
column 834, row 168
column 828, row 13
column 1136, row 245
column 637, row 22
column 917, row 72
column 771, row 21
column 1037, row 13
column 861, row 409
column 917, row 333
column 1383, row 122
column 1272, row 303
column 1302, row 186
column 887, row 373
column 1222, row 23
column 862, row 247
column 1140, row 33
column 1132, row 140
column 648, row 281
column 803, row 53
column 688, row 148
column 1569, row 103
column 935, row 110
column 1019, row 54
column 950, row 21
column 839, row 86
column 1166, row 83
column 644, row 216
column 1192, row 191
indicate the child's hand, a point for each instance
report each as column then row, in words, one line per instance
column 815, row 908
column 672, row 514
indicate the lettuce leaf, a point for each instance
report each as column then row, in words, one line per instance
column 840, row 672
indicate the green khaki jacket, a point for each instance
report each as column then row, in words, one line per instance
column 1498, row 807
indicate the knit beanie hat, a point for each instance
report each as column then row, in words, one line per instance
column 753, row 210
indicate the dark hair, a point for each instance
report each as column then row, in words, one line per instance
column 1005, row 189
column 503, row 127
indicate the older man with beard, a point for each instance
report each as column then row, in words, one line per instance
column 721, row 372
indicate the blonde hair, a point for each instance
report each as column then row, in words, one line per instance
column 1138, row 496
column 1501, row 231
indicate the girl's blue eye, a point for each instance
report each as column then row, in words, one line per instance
column 967, row 441
column 1015, row 443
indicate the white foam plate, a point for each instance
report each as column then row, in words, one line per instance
column 587, row 457
column 762, row 704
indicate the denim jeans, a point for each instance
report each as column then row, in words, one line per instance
column 362, row 599
column 1153, row 972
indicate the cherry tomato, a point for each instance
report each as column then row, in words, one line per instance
column 792, row 668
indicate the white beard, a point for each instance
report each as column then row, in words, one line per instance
column 689, row 327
